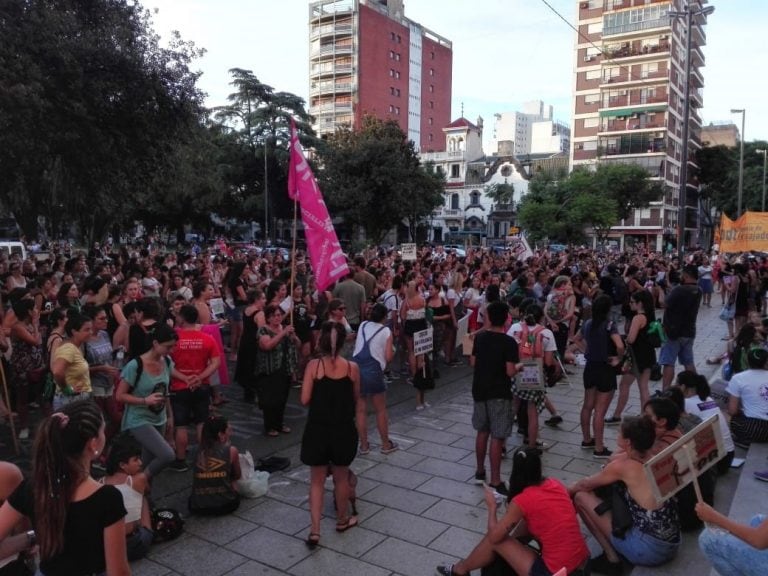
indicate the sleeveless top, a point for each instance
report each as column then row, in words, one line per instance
column 332, row 402
column 132, row 500
column 212, row 480
column 441, row 310
column 662, row 523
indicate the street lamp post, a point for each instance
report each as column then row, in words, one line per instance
column 743, row 113
column 682, row 202
column 765, row 165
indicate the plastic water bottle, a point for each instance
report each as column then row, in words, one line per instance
column 119, row 358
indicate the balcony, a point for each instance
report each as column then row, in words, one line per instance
column 437, row 157
column 634, row 98
column 628, row 125
column 636, row 27
column 635, row 49
column 336, row 29
column 319, row 72
column 332, row 107
column 639, row 143
column 331, row 10
column 448, row 213
column 330, row 88
column 331, row 50
column 638, row 77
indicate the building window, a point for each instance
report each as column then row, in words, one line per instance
column 430, row 121
column 591, row 98
column 391, row 109
column 592, row 75
column 391, row 54
column 391, row 91
column 474, row 198
column 506, row 171
column 399, row 39
column 392, row 36
column 432, row 55
column 431, row 137
column 397, row 56
column 431, row 88
column 454, row 200
column 455, row 170
column 391, row 73
column 397, row 92
column 431, row 71
column 431, row 104
column 397, row 74
column 595, row 28
column 397, row 110
column 590, row 145
column 591, row 122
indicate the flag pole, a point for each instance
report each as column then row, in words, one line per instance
column 7, row 400
column 293, row 255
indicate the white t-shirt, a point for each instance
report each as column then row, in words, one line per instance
column 547, row 337
column 377, row 344
column 705, row 409
column 751, row 386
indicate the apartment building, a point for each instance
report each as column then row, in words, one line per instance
column 531, row 130
column 367, row 58
column 628, row 91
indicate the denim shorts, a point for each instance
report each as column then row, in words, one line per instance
column 680, row 349
column 643, row 549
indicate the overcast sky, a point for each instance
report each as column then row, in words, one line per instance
column 505, row 52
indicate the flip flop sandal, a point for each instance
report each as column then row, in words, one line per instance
column 312, row 540
column 350, row 522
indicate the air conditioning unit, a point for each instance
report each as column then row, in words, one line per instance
column 585, row 5
column 588, row 58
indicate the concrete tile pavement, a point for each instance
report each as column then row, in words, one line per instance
column 418, row 506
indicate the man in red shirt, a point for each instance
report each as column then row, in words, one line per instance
column 195, row 355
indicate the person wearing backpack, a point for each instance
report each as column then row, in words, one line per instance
column 374, row 349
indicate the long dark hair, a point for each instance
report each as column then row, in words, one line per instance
column 645, row 299
column 212, row 427
column 332, row 335
column 601, row 308
column 688, row 380
column 526, row 471
column 57, row 468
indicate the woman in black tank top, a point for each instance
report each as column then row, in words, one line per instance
column 331, row 388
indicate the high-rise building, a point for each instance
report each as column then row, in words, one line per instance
column 367, row 58
column 531, row 130
column 722, row 133
column 628, row 103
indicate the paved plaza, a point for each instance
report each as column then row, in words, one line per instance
column 418, row 506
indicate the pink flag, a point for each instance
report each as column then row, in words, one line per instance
column 328, row 261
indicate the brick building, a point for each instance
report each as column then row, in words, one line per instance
column 628, row 103
column 366, row 57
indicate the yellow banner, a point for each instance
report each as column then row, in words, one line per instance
column 750, row 232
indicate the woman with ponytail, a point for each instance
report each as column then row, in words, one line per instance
column 331, row 389
column 79, row 523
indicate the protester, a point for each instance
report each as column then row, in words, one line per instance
column 539, row 508
column 680, row 312
column 495, row 361
column 331, row 389
column 69, row 368
column 734, row 549
column 748, row 401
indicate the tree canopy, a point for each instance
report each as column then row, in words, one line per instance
column 561, row 209
column 372, row 177
column 92, row 109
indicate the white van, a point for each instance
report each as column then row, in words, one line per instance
column 10, row 248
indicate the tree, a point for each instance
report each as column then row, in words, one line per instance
column 629, row 185
column 91, row 108
column 502, row 193
column 373, row 178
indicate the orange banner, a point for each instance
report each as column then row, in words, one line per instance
column 750, row 232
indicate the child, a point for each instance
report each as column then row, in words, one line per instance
column 217, row 468
column 124, row 473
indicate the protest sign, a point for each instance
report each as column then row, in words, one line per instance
column 531, row 377
column 462, row 328
column 683, row 461
column 217, row 307
column 422, row 341
column 408, row 251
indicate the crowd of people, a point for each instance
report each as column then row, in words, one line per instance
column 121, row 353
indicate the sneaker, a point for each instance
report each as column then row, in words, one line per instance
column 554, row 420
column 389, row 449
column 178, row 466
column 445, row 570
column 602, row 454
column 588, row 445
column 480, row 477
column 602, row 565
column 612, row 421
column 420, row 407
column 500, row 488
column 762, row 475
column 24, row 434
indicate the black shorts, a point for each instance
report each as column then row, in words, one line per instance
column 412, row 326
column 191, row 406
column 600, row 375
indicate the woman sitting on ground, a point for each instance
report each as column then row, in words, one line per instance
column 538, row 508
column 654, row 537
column 748, row 405
column 734, row 549
column 124, row 472
column 217, row 469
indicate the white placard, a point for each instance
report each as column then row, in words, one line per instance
column 217, row 307
column 531, row 377
column 684, row 460
column 422, row 341
column 462, row 328
column 408, row 251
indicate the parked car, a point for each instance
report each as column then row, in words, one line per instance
column 456, row 249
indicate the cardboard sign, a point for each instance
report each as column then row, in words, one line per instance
column 531, row 377
column 462, row 329
column 408, row 251
column 682, row 462
column 422, row 341
column 217, row 307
